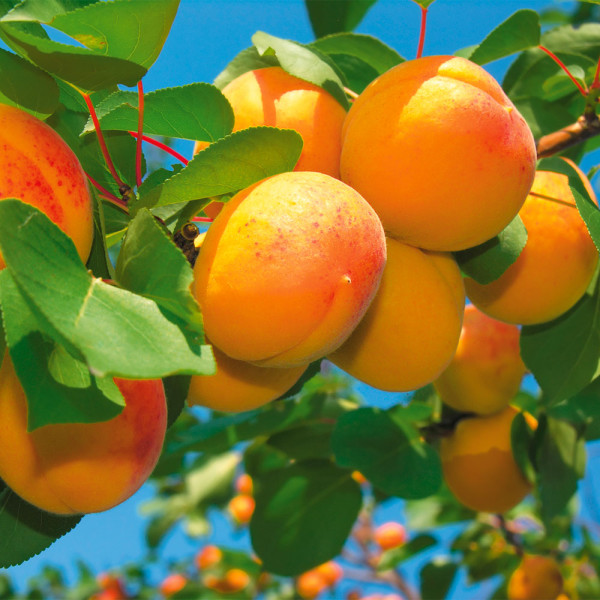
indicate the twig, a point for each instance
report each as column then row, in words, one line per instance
column 138, row 146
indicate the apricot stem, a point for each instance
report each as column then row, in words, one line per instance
column 138, row 146
column 351, row 93
column 422, row 32
column 202, row 219
column 105, row 193
column 596, row 82
column 101, row 141
column 162, row 146
column 562, row 65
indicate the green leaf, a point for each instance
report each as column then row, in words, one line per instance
column 98, row 262
column 27, row 530
column 79, row 66
column 247, row 60
column 437, row 577
column 519, row 32
column 305, row 441
column 25, row 86
column 43, row 11
column 176, row 391
column 228, row 165
column 435, row 511
column 303, row 62
column 521, row 437
column 312, row 505
column 424, row 3
column 564, row 354
column 58, row 387
column 391, row 456
column 392, row 558
column 198, row 111
column 487, row 261
column 561, row 463
column 168, row 281
column 85, row 314
column 333, row 16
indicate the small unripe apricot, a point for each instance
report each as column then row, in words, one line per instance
column 556, row 266
column 487, row 369
column 410, row 332
column 172, row 584
column 478, row 463
column 244, row 485
column 241, row 507
column 441, row 153
column 390, row 535
column 38, row 167
column 274, row 98
column 80, row 467
column 208, row 557
column 288, row 268
column 536, row 578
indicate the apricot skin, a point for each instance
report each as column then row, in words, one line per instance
column 288, row 269
column 486, row 371
column 76, row 467
column 440, row 152
column 410, row 332
column 238, row 385
column 39, row 168
column 556, row 266
column 478, row 463
column 536, row 578
column 274, row 98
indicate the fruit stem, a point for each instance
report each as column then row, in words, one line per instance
column 101, row 140
column 596, row 82
column 138, row 146
column 202, row 219
column 160, row 145
column 105, row 193
column 587, row 126
column 350, row 93
column 422, row 32
column 562, row 65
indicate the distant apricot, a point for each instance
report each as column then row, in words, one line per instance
column 390, row 535
column 207, row 557
column 331, row 571
column 172, row 584
column 243, row 484
column 241, row 507
column 310, row 584
column 536, row 578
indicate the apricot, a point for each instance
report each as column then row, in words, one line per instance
column 240, row 508
column 244, row 484
column 556, row 266
column 38, row 167
column 440, row 152
column 233, row 581
column 80, row 467
column 172, row 584
column 272, row 97
column 486, row 371
column 208, row 557
column 478, row 463
column 410, row 332
column 536, row 578
column 288, row 269
column 310, row 584
column 331, row 572
column 389, row 535
column 238, row 385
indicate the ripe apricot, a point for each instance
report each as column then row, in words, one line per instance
column 207, row 557
column 556, row 266
column 389, row 535
column 310, row 584
column 80, row 467
column 238, row 385
column 273, row 97
column 487, row 369
column 172, row 584
column 244, row 484
column 38, row 167
column 410, row 332
column 233, row 581
column 478, row 464
column 438, row 149
column 331, row 572
column 241, row 507
column 536, row 578
column 288, row 268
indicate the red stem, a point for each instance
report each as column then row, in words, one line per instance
column 138, row 147
column 101, row 141
column 162, row 146
column 596, row 82
column 108, row 195
column 422, row 33
column 203, row 219
column 562, row 65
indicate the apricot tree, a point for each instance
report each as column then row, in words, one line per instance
column 341, row 205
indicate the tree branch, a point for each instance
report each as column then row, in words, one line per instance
column 586, row 127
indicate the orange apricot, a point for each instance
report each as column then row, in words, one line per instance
column 487, row 369
column 556, row 266
column 536, row 578
column 244, row 484
column 80, row 467
column 410, row 332
column 272, row 97
column 331, row 572
column 389, row 535
column 238, row 385
column 441, row 153
column 478, row 463
column 208, row 557
column 310, row 584
column 240, row 508
column 288, row 269
column 38, row 167
column 172, row 584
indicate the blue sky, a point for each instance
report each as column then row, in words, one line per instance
column 206, row 35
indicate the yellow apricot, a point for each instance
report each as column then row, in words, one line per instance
column 556, row 266
column 238, row 385
column 240, row 508
column 478, row 464
column 438, row 149
column 390, row 535
column 274, row 98
column 38, row 167
column 536, row 578
column 208, row 557
column 80, row 467
column 410, row 332
column 487, row 369
column 288, row 268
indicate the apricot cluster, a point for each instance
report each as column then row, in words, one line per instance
column 76, row 467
